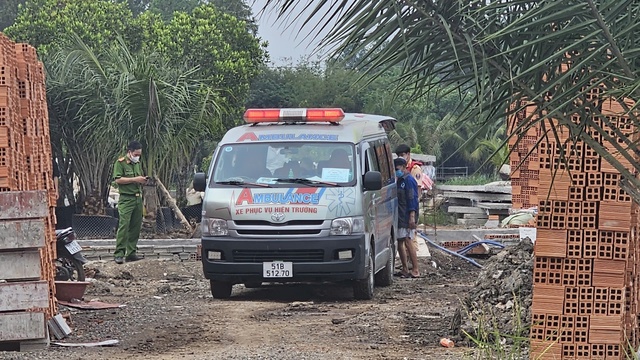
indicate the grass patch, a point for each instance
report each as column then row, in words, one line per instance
column 476, row 179
column 491, row 343
column 436, row 217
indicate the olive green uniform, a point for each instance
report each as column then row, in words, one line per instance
column 129, row 208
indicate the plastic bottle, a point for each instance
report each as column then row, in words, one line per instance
column 290, row 173
column 446, row 342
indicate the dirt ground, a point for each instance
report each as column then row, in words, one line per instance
column 170, row 314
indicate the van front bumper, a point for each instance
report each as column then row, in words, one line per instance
column 314, row 259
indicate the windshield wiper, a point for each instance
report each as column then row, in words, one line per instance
column 240, row 183
column 307, row 181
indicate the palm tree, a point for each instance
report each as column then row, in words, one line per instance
column 564, row 58
column 105, row 99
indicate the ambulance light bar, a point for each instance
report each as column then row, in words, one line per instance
column 254, row 116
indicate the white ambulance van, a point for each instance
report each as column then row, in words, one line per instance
column 300, row 195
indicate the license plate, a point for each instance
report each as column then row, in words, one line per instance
column 73, row 247
column 277, row 269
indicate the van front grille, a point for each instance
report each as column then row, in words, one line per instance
column 258, row 256
column 289, row 223
column 278, row 232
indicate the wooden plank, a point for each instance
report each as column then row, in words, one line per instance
column 22, row 234
column 22, row 326
column 24, row 296
column 24, row 205
column 20, row 265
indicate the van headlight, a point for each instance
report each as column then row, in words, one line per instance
column 347, row 226
column 214, row 227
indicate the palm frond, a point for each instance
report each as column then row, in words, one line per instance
column 553, row 54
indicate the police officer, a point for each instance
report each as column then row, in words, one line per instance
column 127, row 173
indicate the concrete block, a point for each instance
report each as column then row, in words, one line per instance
column 22, row 326
column 22, row 234
column 20, row 265
column 24, row 205
column 24, row 295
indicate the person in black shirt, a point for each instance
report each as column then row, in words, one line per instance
column 56, row 177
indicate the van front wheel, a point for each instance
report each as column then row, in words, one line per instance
column 221, row 289
column 363, row 289
column 385, row 276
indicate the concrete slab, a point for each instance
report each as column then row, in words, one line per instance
column 475, row 216
column 466, row 210
column 442, row 235
column 477, row 196
column 494, row 206
column 501, row 189
column 471, row 222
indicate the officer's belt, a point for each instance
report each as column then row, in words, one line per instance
column 131, row 195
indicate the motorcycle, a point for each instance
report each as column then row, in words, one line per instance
column 70, row 261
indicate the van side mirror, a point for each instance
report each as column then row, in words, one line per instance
column 373, row 180
column 199, row 181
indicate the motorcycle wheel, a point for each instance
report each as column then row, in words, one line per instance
column 79, row 269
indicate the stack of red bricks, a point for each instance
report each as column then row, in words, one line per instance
column 585, row 275
column 25, row 144
column 525, row 163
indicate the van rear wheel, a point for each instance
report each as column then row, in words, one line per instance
column 221, row 289
column 363, row 289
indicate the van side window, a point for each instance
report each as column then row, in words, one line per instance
column 383, row 162
column 371, row 161
column 392, row 169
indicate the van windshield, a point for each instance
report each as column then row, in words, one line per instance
column 285, row 163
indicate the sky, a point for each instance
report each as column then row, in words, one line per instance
column 288, row 41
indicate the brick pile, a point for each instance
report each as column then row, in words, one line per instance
column 585, row 296
column 25, row 144
column 524, row 160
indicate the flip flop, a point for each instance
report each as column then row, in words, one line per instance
column 415, row 276
column 401, row 274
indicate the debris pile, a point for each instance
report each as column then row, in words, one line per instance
column 501, row 297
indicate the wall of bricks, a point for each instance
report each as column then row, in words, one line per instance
column 25, row 144
column 585, row 303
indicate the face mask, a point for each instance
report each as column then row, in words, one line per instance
column 135, row 159
column 399, row 173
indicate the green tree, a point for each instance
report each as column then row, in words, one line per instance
column 503, row 52
column 102, row 100
column 137, row 7
column 45, row 23
column 227, row 55
column 219, row 51
column 166, row 8
column 308, row 84
column 240, row 9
